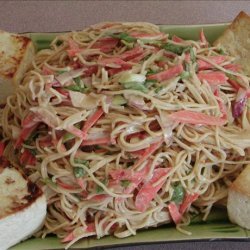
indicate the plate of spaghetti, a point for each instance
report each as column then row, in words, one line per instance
column 127, row 127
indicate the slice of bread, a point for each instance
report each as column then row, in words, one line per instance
column 236, row 40
column 238, row 204
column 16, row 55
column 22, row 206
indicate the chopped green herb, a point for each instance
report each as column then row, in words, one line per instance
column 221, row 51
column 177, row 49
column 67, row 137
column 48, row 181
column 99, row 189
column 33, row 151
column 146, row 57
column 78, row 172
column 124, row 36
column 59, row 42
column 187, row 67
column 150, row 83
column 77, row 80
column 196, row 67
column 185, row 75
column 150, row 72
column 191, row 52
column 192, row 55
column 61, row 72
column 136, row 86
column 178, row 194
column 76, row 88
column 79, row 86
column 81, row 161
column 31, row 138
column 78, row 125
column 119, row 100
column 125, row 183
column 158, row 89
column 162, row 59
column 232, row 77
column 148, row 41
column 130, row 163
column 28, row 141
column 129, row 45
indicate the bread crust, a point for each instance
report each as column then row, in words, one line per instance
column 242, row 183
column 238, row 204
column 33, row 191
column 16, row 55
column 236, row 40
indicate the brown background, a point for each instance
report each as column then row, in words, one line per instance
column 47, row 16
column 20, row 16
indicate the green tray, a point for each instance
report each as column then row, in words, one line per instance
column 217, row 225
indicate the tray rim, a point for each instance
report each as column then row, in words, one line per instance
column 245, row 238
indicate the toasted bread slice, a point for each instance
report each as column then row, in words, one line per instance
column 238, row 204
column 16, row 55
column 22, row 206
column 236, row 40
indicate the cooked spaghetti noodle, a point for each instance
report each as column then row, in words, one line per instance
column 126, row 129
